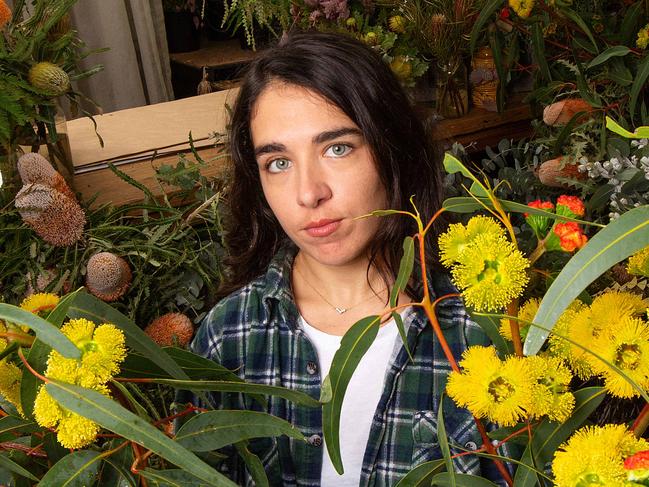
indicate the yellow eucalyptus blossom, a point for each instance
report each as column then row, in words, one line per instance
column 458, row 237
column 490, row 273
column 638, row 264
column 552, row 397
column 526, row 313
column 490, row 388
column 643, row 37
column 523, row 8
column 626, row 347
column 10, row 378
column 594, row 455
column 613, row 306
column 558, row 345
column 40, row 303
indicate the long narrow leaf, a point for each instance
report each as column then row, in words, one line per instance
column 486, row 14
column 170, row 478
column 110, row 415
column 403, row 276
column 45, row 331
column 253, row 464
column 353, row 346
column 614, row 51
column 572, row 15
column 420, row 476
column 78, row 469
column 639, row 84
column 443, row 444
column 12, row 466
column 617, row 241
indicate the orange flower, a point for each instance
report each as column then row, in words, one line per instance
column 570, row 235
column 5, row 14
column 571, row 203
column 542, row 205
column 561, row 112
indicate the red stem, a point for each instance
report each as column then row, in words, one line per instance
column 29, row 367
column 641, row 422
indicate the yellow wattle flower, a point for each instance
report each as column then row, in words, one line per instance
column 627, row 347
column 498, row 391
column 638, row 264
column 40, row 303
column 458, row 237
column 10, row 378
column 594, row 455
column 557, row 345
column 523, row 8
column 490, row 273
column 643, row 37
column 551, row 396
column 526, row 313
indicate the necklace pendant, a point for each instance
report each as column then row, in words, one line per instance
column 340, row 310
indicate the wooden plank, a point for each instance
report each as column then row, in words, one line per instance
column 217, row 54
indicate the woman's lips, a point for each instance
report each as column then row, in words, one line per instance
column 322, row 228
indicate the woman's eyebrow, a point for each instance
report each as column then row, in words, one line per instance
column 334, row 134
column 267, row 148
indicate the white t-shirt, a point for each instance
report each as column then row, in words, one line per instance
column 362, row 397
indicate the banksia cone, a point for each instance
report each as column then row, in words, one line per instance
column 171, row 329
column 34, row 168
column 108, row 276
column 49, row 78
column 44, row 279
column 5, row 14
column 55, row 217
column 553, row 169
column 561, row 112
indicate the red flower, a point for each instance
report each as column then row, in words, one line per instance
column 504, row 14
column 572, row 203
column 570, row 235
column 637, row 461
column 542, row 205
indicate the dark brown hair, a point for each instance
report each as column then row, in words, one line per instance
column 355, row 79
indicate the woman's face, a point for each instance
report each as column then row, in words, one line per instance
column 317, row 173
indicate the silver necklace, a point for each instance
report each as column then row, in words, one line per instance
column 338, row 309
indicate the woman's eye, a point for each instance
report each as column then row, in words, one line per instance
column 278, row 165
column 338, row 150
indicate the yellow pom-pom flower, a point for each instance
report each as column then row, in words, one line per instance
column 525, row 313
column 523, row 8
column 627, row 347
column 40, row 303
column 643, row 37
column 458, row 237
column 594, row 455
column 638, row 264
column 552, row 397
column 498, row 391
column 558, row 345
column 490, row 273
column 10, row 378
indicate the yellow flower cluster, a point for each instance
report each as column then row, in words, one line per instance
column 102, row 351
column 40, row 303
column 639, row 263
column 526, row 313
column 511, row 390
column 611, row 328
column 595, row 455
column 488, row 269
column 523, row 8
column 10, row 377
column 643, row 37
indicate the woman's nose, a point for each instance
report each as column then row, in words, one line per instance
column 313, row 188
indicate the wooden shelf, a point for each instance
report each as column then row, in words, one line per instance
column 217, row 54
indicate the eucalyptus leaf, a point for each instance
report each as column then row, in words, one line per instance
column 253, row 464
column 78, row 469
column 486, row 14
column 615, row 242
column 614, row 51
column 110, row 415
column 444, row 479
column 443, row 444
column 405, row 271
column 12, row 466
column 574, row 16
column 639, row 83
column 11, row 426
column 421, row 475
column 171, row 478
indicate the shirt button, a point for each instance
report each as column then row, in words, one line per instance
column 471, row 445
column 311, row 368
column 314, row 440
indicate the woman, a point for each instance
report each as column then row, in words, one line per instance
column 321, row 134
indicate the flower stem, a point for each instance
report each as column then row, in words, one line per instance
column 641, row 422
column 512, row 310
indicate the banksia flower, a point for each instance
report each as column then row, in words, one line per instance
column 5, row 14
column 397, row 24
column 49, row 78
column 594, row 455
column 643, row 37
column 34, row 168
column 552, row 171
column 171, row 329
column 108, row 276
column 43, row 279
column 490, row 388
column 561, row 112
column 56, row 218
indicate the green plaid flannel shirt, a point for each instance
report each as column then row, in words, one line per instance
column 255, row 333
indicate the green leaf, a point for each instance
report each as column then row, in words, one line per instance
column 462, row 480
column 78, row 469
column 491, row 326
column 215, row 429
column 615, row 242
column 538, row 49
column 613, row 126
column 253, row 464
column 443, row 444
column 452, row 165
column 549, row 435
column 405, row 271
column 572, row 15
column 37, row 358
column 12, row 466
column 171, row 478
column 243, row 387
column 110, row 415
column 614, row 51
column 353, row 346
column 45, row 331
column 91, row 308
column 629, row 27
column 11, row 426
column 116, row 470
column 486, row 14
column 638, row 84
column 421, row 475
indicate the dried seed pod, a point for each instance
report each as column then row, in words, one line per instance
column 171, row 329
column 56, row 218
column 108, row 276
column 553, row 169
column 34, row 168
column 561, row 112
